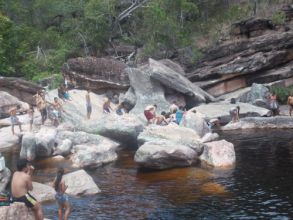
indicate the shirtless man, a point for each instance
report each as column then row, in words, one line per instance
column 41, row 105
column 57, row 110
column 21, row 184
column 14, row 119
column 88, row 104
column 290, row 103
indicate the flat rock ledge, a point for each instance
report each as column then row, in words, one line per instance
column 280, row 122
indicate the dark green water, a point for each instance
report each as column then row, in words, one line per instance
column 260, row 186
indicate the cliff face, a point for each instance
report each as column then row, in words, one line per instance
column 257, row 51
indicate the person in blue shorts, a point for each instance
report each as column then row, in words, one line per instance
column 61, row 198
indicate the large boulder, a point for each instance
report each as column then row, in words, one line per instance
column 147, row 91
column 7, row 101
column 221, row 109
column 257, row 95
column 219, row 154
column 164, row 154
column 45, row 141
column 195, row 122
column 5, row 175
column 172, row 133
column 80, row 184
column 80, row 137
column 7, row 139
column 64, row 148
column 43, row 192
column 172, row 79
column 19, row 88
column 279, row 122
column 28, row 146
column 96, row 74
column 123, row 129
column 16, row 210
column 93, row 155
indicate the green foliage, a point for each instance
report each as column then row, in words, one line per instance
column 279, row 18
column 282, row 93
column 38, row 36
column 165, row 25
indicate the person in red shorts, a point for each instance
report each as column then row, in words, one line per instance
column 150, row 113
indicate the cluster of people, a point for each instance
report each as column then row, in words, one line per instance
column 175, row 114
column 107, row 108
column 53, row 110
column 21, row 185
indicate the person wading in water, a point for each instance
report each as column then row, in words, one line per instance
column 61, row 197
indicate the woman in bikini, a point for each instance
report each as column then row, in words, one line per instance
column 61, row 197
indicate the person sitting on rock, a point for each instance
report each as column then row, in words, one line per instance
column 14, row 119
column 61, row 198
column 149, row 113
column 234, row 113
column 21, row 184
column 61, row 92
column 163, row 119
column 120, row 110
column 66, row 95
column 290, row 103
column 214, row 123
column 173, row 107
column 179, row 114
column 107, row 106
column 274, row 106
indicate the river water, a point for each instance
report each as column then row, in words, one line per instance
column 260, row 186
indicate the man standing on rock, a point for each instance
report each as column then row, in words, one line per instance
column 88, row 104
column 41, row 105
column 290, row 103
column 21, row 184
column 14, row 119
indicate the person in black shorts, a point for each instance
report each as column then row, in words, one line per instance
column 21, row 184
